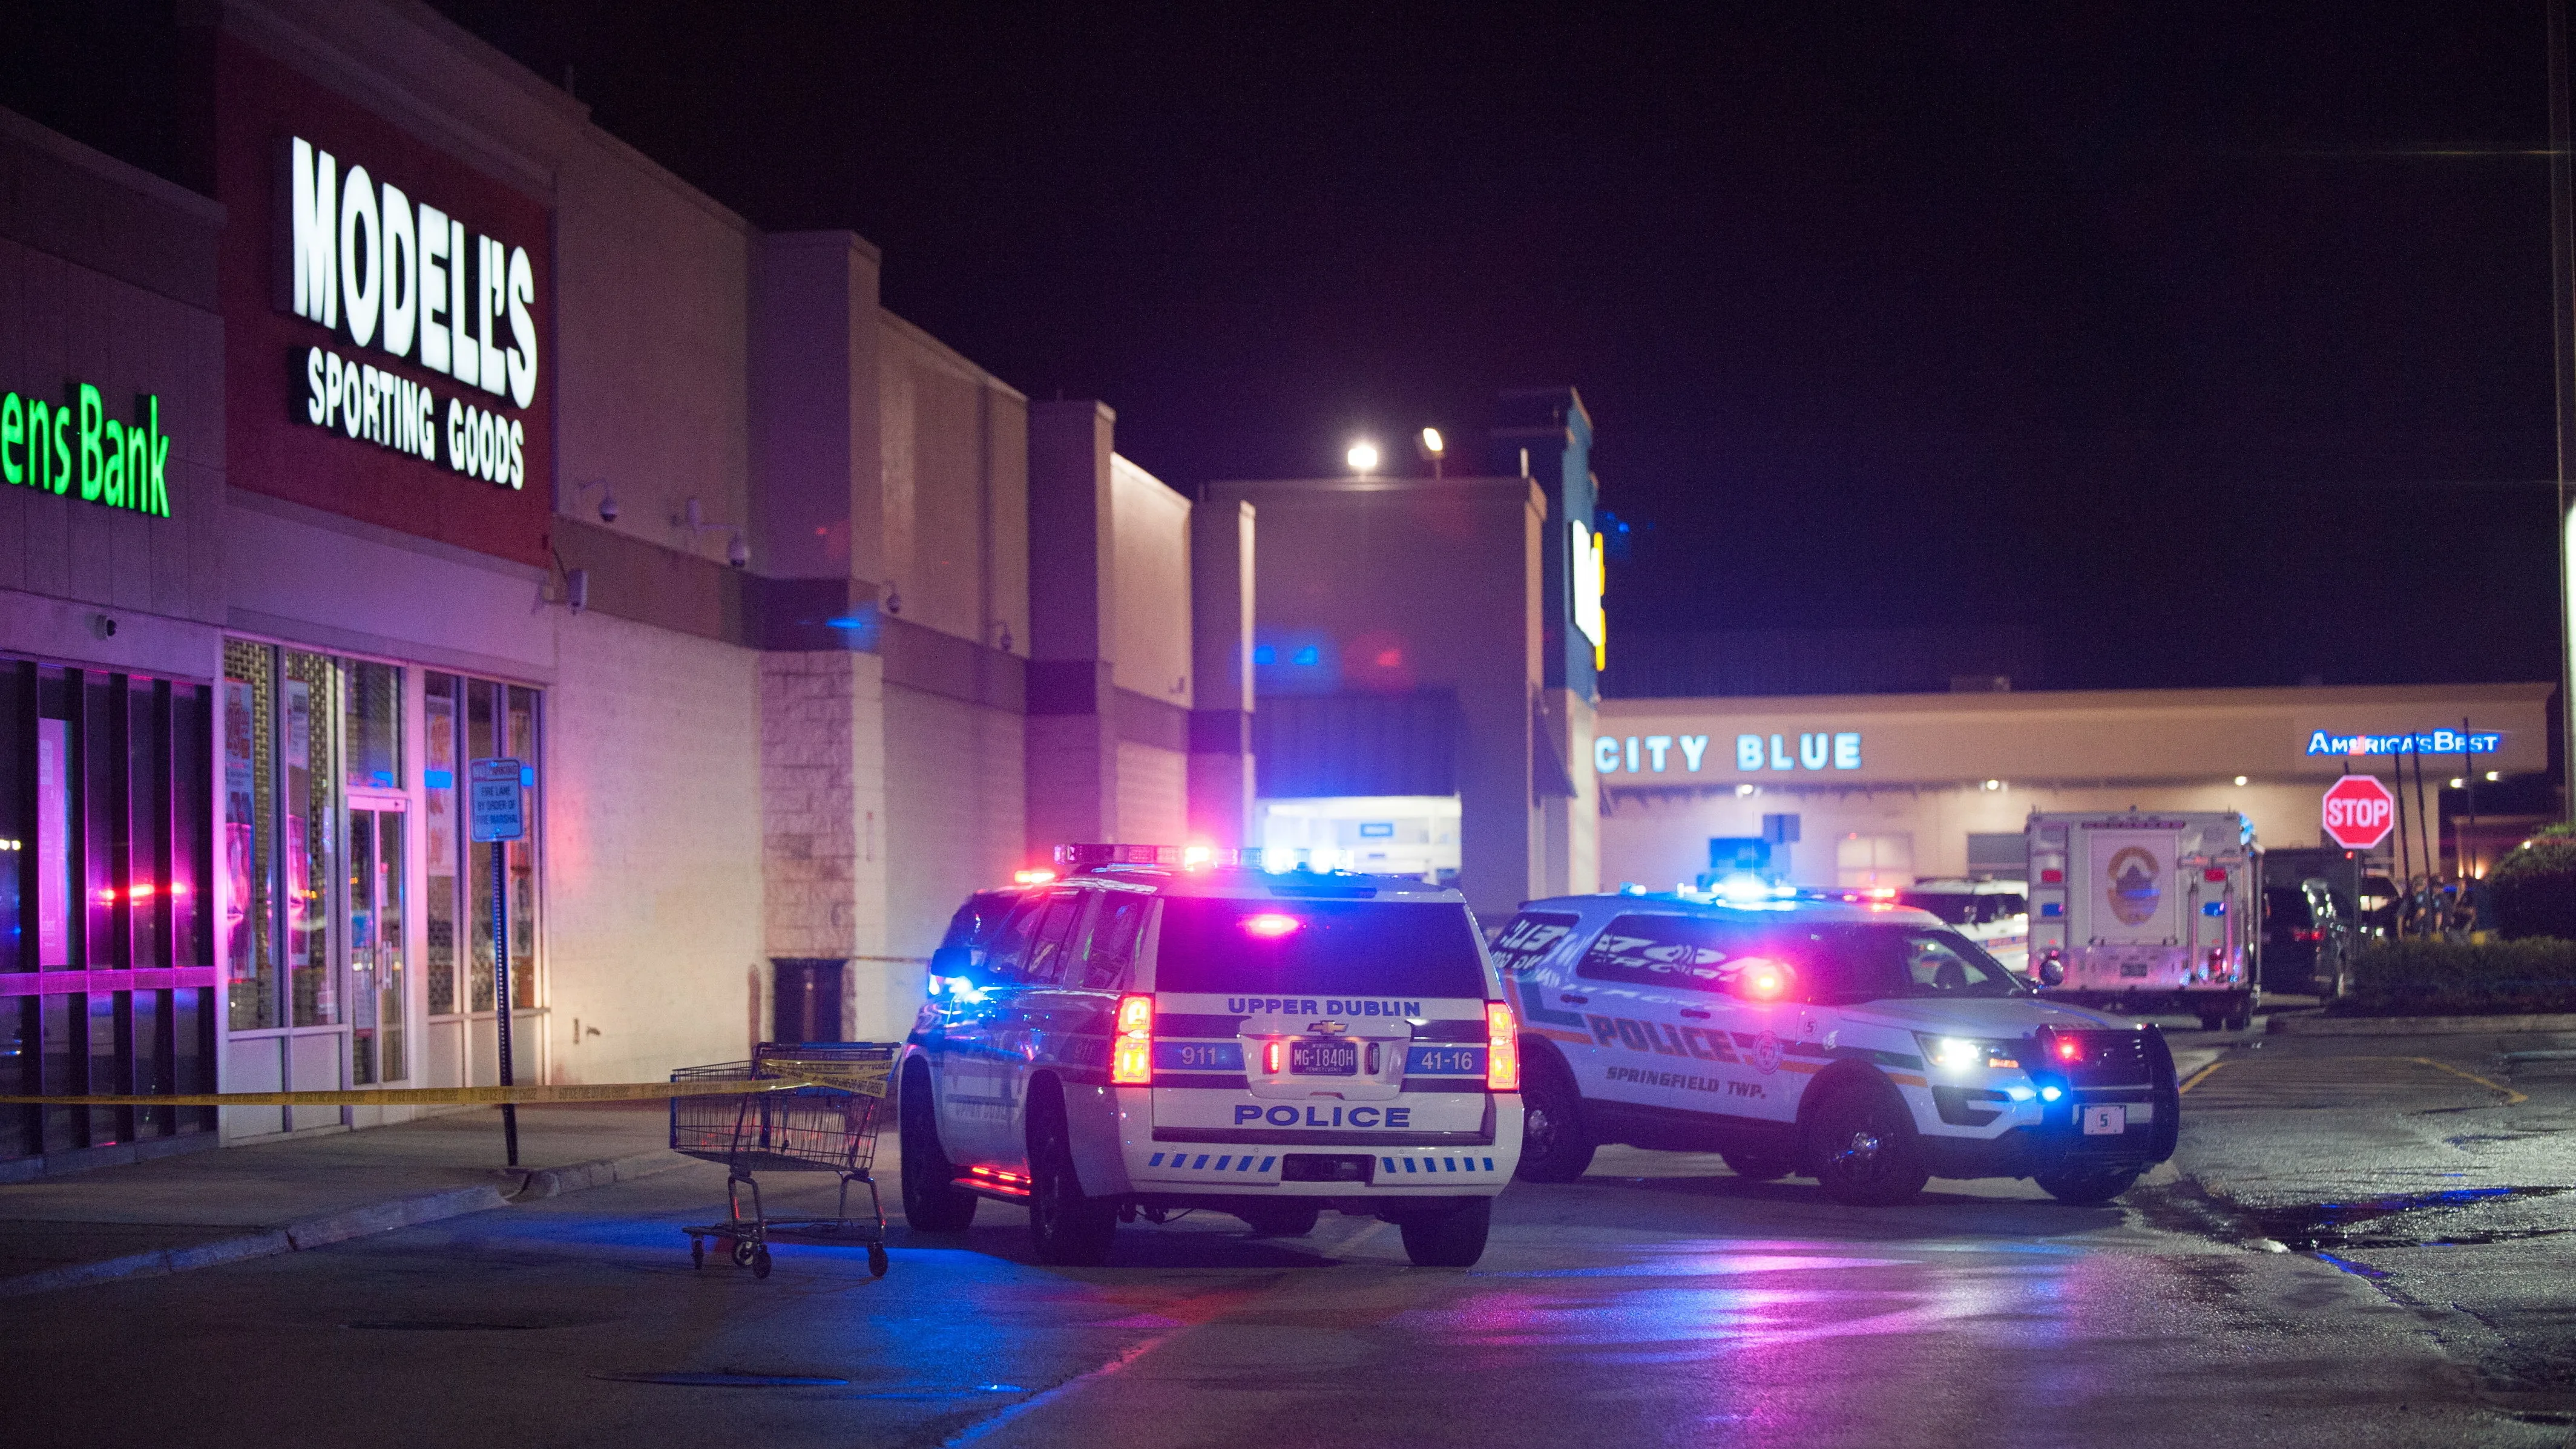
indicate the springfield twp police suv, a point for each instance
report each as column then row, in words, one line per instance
column 1163, row 1031
column 1870, row 1046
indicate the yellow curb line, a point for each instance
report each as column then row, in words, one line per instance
column 2511, row 1097
column 2198, row 1077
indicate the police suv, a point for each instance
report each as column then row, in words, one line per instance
column 1867, row 1045
column 1164, row 1030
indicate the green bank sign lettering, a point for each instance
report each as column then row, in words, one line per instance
column 60, row 446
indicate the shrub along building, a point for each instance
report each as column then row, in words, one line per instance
column 404, row 418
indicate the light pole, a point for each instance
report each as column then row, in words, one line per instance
column 2562, row 258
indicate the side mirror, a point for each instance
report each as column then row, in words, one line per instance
column 952, row 960
column 2051, row 971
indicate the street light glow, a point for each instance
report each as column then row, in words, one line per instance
column 1363, row 457
column 1431, row 442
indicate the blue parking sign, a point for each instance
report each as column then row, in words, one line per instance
column 495, row 801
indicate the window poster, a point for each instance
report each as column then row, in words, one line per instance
column 241, row 811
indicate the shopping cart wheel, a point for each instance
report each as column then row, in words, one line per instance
column 697, row 1252
column 760, row 1262
column 877, row 1259
column 743, row 1252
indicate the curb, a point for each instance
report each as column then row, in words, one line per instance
column 340, row 1227
column 598, row 1172
column 2305, row 1025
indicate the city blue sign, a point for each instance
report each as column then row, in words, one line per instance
column 2424, row 742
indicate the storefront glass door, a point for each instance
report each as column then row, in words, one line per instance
column 376, row 922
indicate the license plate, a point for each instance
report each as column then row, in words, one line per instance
column 2105, row 1121
column 2133, row 969
column 1324, row 1058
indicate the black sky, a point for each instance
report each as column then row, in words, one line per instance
column 2152, row 327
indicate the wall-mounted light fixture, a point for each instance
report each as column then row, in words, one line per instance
column 1362, row 457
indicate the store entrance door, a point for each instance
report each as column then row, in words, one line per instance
column 377, row 979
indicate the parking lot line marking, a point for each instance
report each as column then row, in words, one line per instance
column 2198, row 1077
column 2511, row 1097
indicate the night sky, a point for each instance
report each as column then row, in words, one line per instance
column 2211, row 342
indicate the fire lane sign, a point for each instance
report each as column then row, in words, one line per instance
column 495, row 801
column 2359, row 812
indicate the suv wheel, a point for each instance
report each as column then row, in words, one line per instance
column 932, row 1201
column 1453, row 1238
column 1556, row 1145
column 1864, row 1149
column 1280, row 1219
column 2087, row 1188
column 1066, row 1228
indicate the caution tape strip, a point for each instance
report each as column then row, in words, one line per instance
column 473, row 1096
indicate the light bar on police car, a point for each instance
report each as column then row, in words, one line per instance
column 1187, row 856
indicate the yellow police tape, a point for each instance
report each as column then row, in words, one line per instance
column 867, row 1079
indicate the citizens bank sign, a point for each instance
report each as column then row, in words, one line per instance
column 401, row 277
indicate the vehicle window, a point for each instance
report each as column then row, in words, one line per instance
column 979, row 920
column 2010, row 906
column 1958, row 910
column 1835, row 961
column 1006, row 958
column 1110, row 954
column 1529, row 938
column 1055, row 938
column 1374, row 948
column 1941, row 965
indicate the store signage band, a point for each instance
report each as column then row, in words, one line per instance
column 1659, row 754
column 2422, row 742
column 361, row 258
column 61, row 446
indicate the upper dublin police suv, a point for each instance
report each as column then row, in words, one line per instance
column 1162, row 1030
column 1868, row 1045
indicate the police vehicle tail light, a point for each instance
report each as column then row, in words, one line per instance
column 1032, row 877
column 1274, row 1056
column 1131, row 1055
column 1270, row 925
column 2067, row 1049
column 1502, row 1050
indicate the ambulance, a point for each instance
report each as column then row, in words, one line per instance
column 1163, row 1030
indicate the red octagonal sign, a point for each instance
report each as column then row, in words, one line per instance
column 2360, row 812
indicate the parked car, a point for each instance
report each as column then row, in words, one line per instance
column 2307, row 943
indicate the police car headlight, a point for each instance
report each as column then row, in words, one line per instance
column 1960, row 1053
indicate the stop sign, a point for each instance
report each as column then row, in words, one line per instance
column 2359, row 812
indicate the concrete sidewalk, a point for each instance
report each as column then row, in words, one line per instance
column 198, row 1209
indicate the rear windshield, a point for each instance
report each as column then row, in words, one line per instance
column 1355, row 948
column 1958, row 910
column 1834, row 961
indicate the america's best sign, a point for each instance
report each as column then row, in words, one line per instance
column 404, row 278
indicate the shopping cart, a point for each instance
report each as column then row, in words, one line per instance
column 828, row 1125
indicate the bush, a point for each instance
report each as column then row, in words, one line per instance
column 2454, row 978
column 2532, row 891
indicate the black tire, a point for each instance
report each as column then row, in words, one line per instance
column 1286, row 1219
column 1066, row 1229
column 1754, row 1167
column 1454, row 1238
column 2240, row 1019
column 877, row 1261
column 743, row 1252
column 2211, row 1023
column 1556, row 1143
column 760, row 1263
column 2087, row 1187
column 697, row 1253
column 1864, row 1149
column 932, row 1201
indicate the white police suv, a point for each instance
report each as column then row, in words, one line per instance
column 1868, row 1045
column 1164, row 1030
